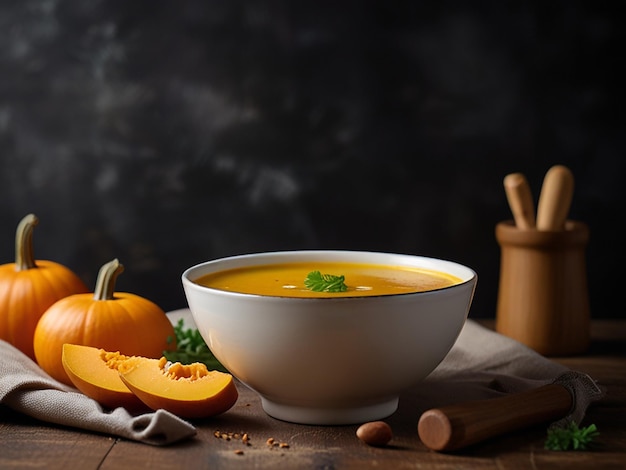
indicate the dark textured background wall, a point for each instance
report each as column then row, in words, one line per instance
column 169, row 133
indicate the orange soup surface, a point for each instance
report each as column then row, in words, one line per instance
column 287, row 280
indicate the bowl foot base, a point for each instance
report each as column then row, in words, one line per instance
column 330, row 416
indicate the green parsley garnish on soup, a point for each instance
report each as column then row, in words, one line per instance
column 318, row 282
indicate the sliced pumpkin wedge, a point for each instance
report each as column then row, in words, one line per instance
column 189, row 391
column 94, row 372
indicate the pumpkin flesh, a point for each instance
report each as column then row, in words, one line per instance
column 189, row 391
column 94, row 372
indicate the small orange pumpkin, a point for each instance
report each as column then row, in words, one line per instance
column 113, row 321
column 29, row 287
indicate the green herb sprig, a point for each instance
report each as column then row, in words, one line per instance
column 571, row 437
column 190, row 348
column 318, row 282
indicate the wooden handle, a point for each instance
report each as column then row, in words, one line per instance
column 555, row 198
column 520, row 200
column 456, row 426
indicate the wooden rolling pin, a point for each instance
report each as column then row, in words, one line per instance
column 555, row 198
column 520, row 200
column 456, row 426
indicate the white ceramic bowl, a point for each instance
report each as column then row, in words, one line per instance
column 330, row 360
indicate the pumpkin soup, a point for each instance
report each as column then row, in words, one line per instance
column 292, row 279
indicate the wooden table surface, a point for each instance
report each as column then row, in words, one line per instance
column 27, row 443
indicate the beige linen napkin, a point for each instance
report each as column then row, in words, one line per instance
column 26, row 388
column 485, row 364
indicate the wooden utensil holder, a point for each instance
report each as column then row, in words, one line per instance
column 543, row 299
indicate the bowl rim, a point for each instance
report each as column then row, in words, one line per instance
column 467, row 274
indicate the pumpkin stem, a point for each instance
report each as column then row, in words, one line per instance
column 105, row 284
column 24, row 256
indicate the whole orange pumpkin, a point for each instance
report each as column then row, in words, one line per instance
column 109, row 320
column 29, row 287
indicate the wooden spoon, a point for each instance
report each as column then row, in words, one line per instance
column 555, row 198
column 520, row 200
column 456, row 426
